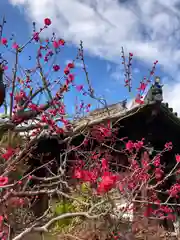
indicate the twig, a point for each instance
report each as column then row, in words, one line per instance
column 13, row 82
column 1, row 28
column 166, row 177
column 45, row 227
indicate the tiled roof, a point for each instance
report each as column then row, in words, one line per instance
column 166, row 105
column 102, row 113
column 115, row 113
column 173, row 116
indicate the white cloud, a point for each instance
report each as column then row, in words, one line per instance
column 118, row 74
column 136, row 70
column 108, row 67
column 107, row 90
column 148, row 28
column 171, row 95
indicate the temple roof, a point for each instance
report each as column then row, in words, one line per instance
column 119, row 111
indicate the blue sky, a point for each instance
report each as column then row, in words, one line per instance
column 149, row 29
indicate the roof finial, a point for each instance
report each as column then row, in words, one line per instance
column 157, row 82
column 155, row 93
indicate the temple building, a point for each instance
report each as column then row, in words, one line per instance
column 153, row 120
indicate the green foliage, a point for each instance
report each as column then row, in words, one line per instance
column 70, row 206
column 61, row 208
column 85, row 188
column 64, row 206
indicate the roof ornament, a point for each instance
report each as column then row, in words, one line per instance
column 155, row 93
column 157, row 90
column 157, row 82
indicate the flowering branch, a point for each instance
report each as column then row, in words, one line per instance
column 45, row 227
